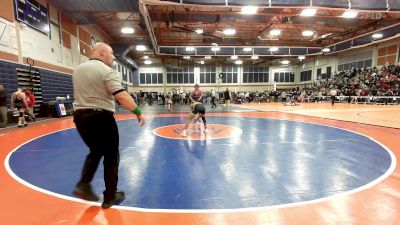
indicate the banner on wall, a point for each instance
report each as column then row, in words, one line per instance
column 3, row 32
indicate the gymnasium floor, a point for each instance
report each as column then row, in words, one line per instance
column 258, row 164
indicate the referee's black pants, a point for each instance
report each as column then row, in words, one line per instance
column 99, row 131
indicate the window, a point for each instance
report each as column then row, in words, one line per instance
column 143, row 78
column 255, row 74
column 230, row 74
column 329, row 71
column 284, row 77
column 180, row 76
column 319, row 71
column 160, row 78
column 151, row 78
column 207, row 74
column 305, row 75
column 357, row 65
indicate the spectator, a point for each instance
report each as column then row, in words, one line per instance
column 333, row 94
column 31, row 105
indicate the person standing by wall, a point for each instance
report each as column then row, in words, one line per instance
column 19, row 101
column 213, row 94
column 333, row 94
column 31, row 105
column 96, row 87
column 3, row 106
column 227, row 98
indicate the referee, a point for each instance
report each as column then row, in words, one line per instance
column 96, row 87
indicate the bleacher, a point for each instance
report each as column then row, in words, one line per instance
column 52, row 84
column 8, row 77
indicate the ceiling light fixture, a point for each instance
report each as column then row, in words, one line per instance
column 247, row 49
column 307, row 33
column 199, row 31
column 201, row 62
column 127, row 30
column 249, row 10
column 145, row 57
column 140, row 48
column 238, row 62
column 254, row 57
column 186, row 57
column 285, row 62
column 229, row 31
column 377, row 35
column 207, row 57
column 326, row 50
column 308, row 12
column 349, row 14
column 147, row 62
column 275, row 32
column 234, row 57
column 301, row 57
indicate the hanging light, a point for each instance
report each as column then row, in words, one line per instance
column 308, row 12
column 326, row 50
column 377, row 35
column 229, row 31
column 349, row 14
column 247, row 49
column 127, row 30
column 275, row 32
column 307, row 33
column 249, row 10
column 140, row 48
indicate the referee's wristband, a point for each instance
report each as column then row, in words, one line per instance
column 137, row 111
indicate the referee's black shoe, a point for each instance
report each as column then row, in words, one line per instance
column 84, row 191
column 119, row 197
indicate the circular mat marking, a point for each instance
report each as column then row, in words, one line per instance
column 196, row 131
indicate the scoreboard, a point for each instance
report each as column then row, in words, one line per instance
column 33, row 14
